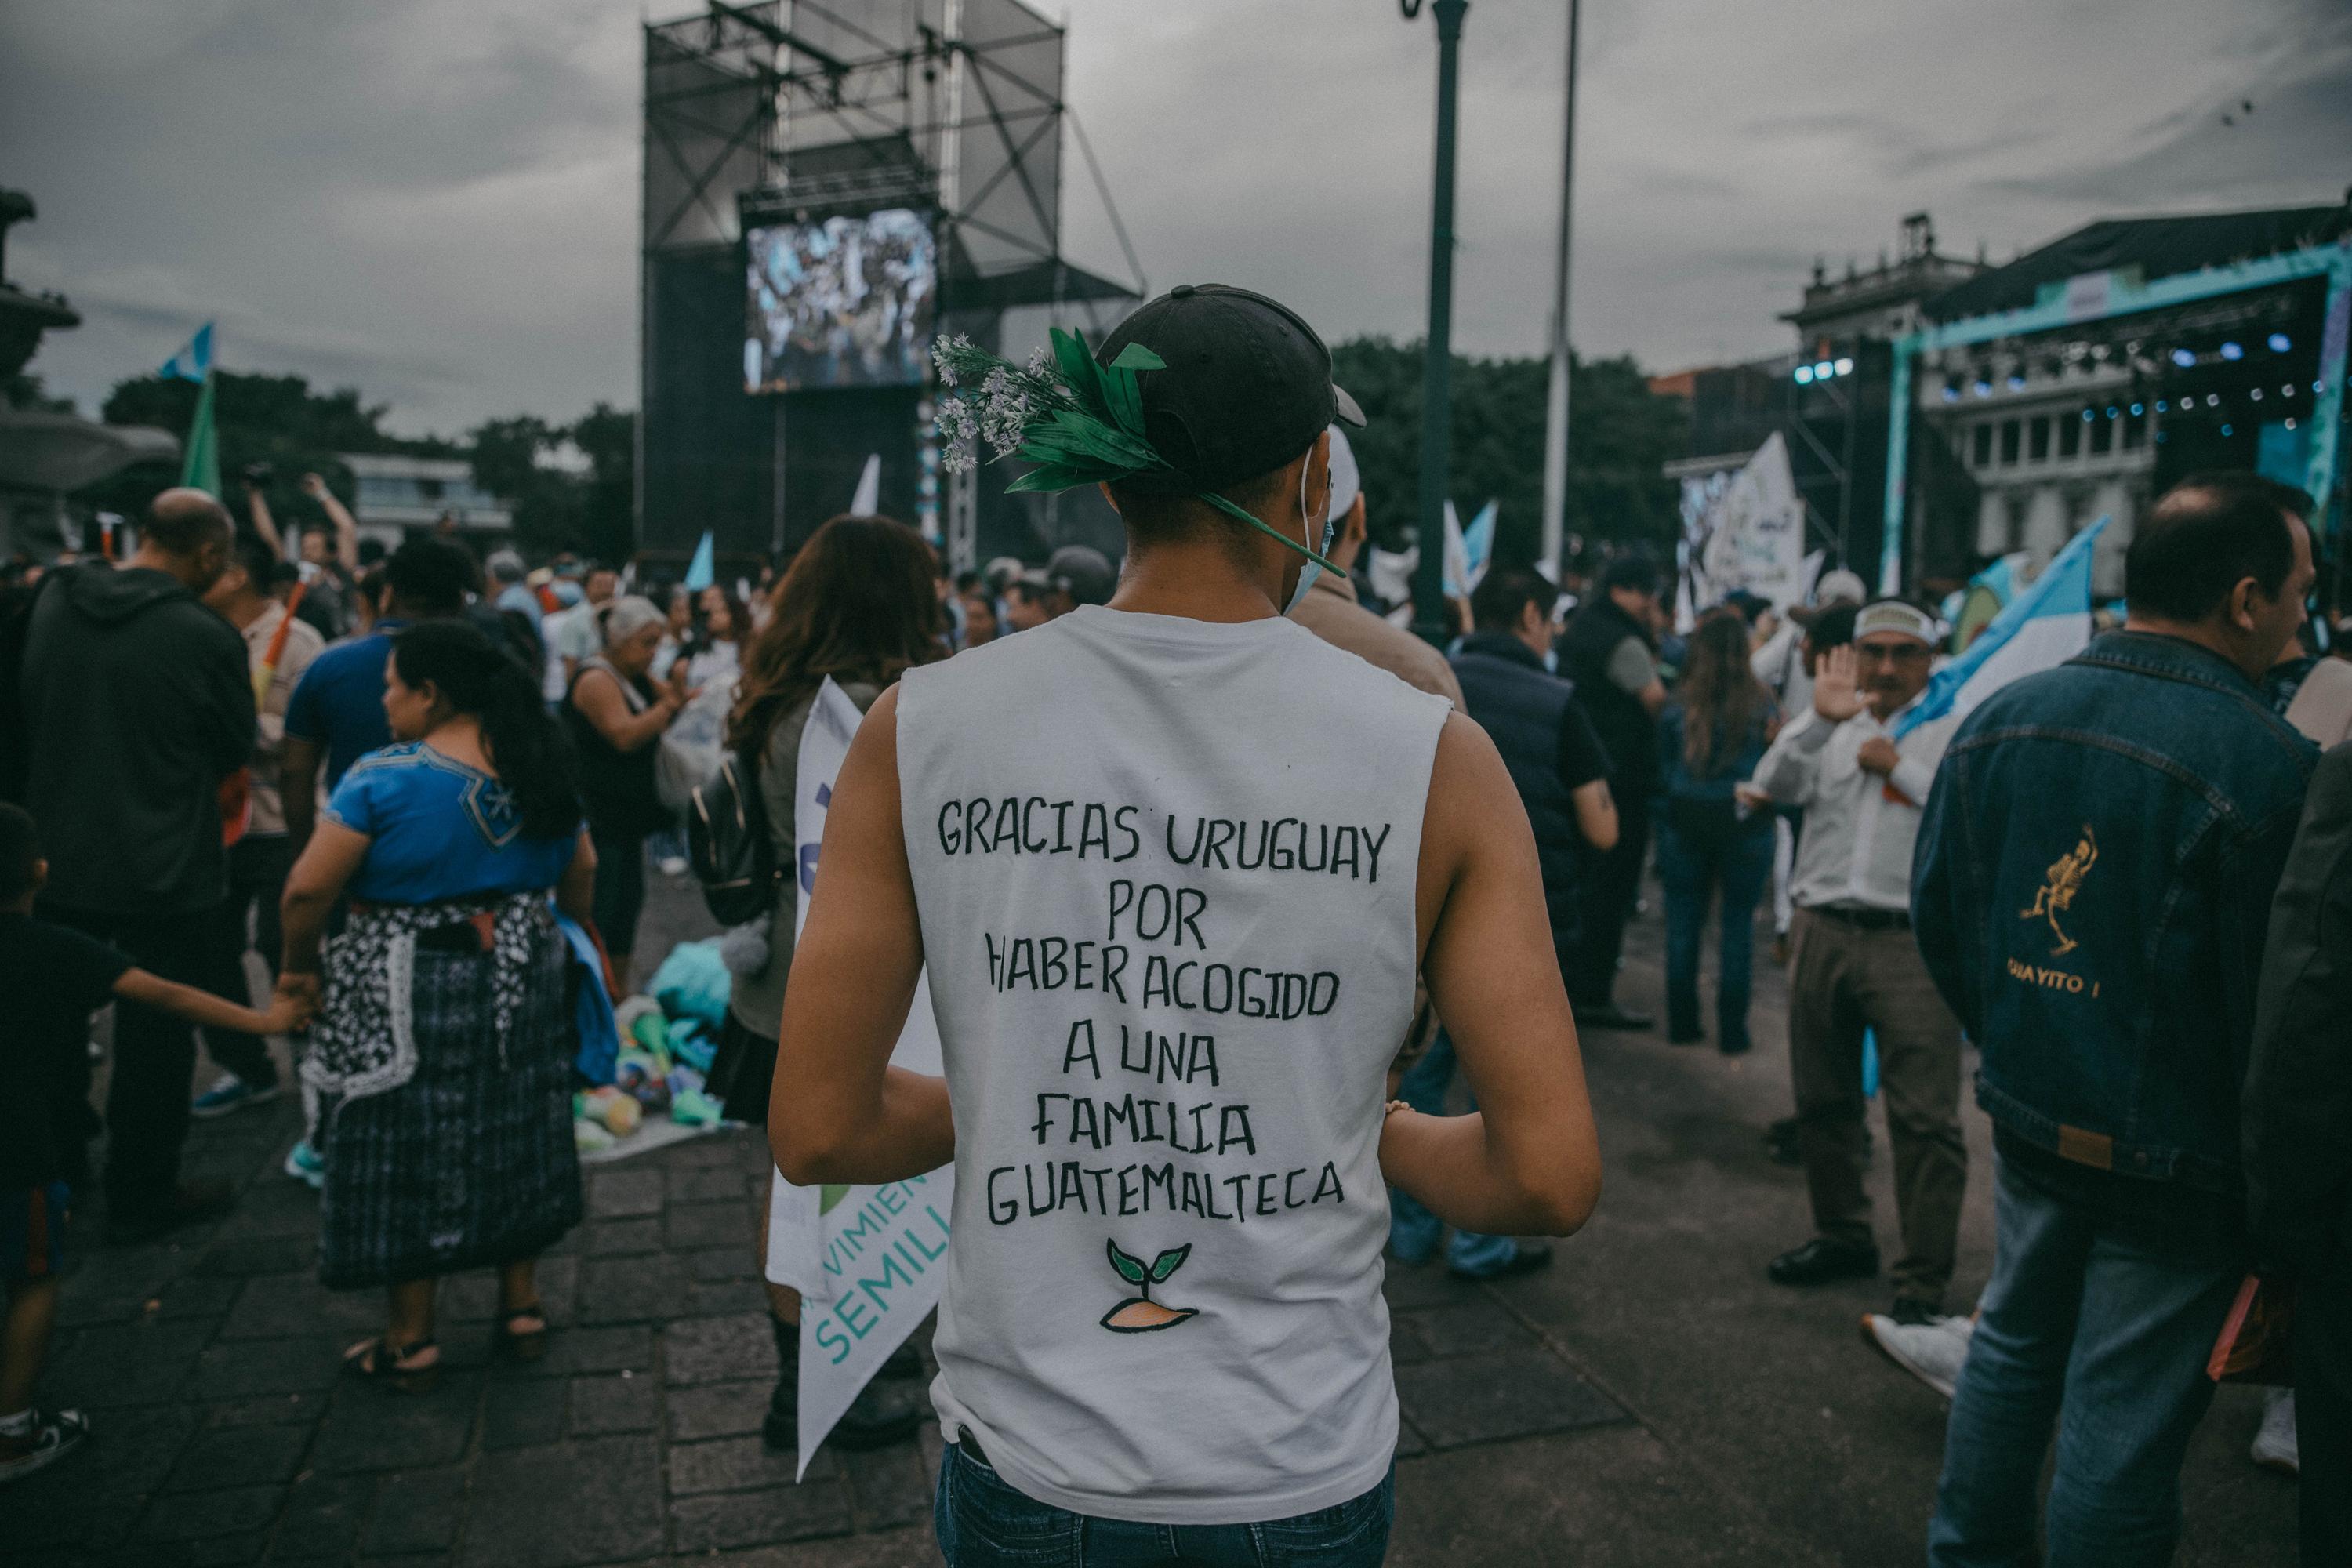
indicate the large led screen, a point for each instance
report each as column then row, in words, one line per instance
column 845, row 303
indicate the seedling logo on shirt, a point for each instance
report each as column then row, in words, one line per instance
column 1141, row 1314
column 2057, row 895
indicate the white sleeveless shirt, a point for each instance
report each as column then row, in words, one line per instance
column 1165, row 873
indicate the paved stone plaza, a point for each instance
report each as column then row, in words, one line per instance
column 1648, row 1400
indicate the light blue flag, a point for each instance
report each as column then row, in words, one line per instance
column 699, row 571
column 193, row 361
column 2039, row 628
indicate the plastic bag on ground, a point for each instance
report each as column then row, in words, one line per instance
column 692, row 983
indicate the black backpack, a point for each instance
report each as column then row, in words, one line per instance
column 729, row 845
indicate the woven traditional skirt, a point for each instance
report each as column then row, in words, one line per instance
column 470, row 1162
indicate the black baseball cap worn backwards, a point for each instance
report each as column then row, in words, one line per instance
column 1196, row 391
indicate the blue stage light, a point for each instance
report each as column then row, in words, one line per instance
column 1844, row 367
column 2183, row 358
column 2136, row 410
column 2232, row 350
column 1982, row 389
column 2280, row 342
column 2017, row 384
column 2227, row 431
column 1804, row 375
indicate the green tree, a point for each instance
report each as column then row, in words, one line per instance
column 278, row 421
column 1621, row 436
column 554, row 507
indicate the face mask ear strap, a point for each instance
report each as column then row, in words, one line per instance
column 1239, row 515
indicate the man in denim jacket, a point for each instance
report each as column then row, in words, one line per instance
column 2091, row 890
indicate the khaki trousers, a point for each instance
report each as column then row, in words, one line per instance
column 1842, row 980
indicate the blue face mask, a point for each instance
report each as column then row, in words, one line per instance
column 1551, row 659
column 1313, row 569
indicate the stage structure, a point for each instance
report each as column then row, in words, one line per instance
column 2086, row 377
column 827, row 186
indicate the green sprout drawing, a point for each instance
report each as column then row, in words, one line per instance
column 1141, row 1314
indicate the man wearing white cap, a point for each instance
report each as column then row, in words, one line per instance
column 1331, row 609
column 1856, row 968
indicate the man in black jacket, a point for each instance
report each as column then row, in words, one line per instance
column 2297, row 1124
column 1610, row 651
column 136, row 704
column 1563, row 776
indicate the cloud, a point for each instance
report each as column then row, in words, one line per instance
column 436, row 200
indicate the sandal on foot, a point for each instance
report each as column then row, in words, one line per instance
column 56, row 1434
column 527, row 1342
column 375, row 1361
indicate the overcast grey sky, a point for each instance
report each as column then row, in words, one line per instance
column 435, row 200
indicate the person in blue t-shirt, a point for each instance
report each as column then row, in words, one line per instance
column 336, row 715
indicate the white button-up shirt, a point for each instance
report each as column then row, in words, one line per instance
column 1855, row 848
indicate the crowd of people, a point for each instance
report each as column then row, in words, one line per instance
column 427, row 791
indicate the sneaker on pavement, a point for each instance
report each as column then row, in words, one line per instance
column 306, row 1165
column 54, row 1434
column 230, row 1092
column 2274, row 1442
column 672, row 864
column 1526, row 1258
column 1931, row 1351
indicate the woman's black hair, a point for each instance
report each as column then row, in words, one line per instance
column 525, row 744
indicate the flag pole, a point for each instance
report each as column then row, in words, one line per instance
column 1555, row 484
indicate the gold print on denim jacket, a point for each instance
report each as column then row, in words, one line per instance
column 2057, row 894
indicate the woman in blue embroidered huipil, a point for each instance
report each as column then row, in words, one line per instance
column 443, row 1045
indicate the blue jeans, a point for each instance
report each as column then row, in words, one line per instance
column 983, row 1522
column 2104, row 1328
column 1690, row 867
column 1413, row 1229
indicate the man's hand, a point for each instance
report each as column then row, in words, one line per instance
column 1878, row 755
column 1834, row 697
column 312, row 485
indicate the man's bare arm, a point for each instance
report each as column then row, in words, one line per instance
column 839, row 1112
column 1528, row 1161
column 1596, row 813
column 347, row 528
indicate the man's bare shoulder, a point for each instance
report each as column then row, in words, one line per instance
column 1351, row 628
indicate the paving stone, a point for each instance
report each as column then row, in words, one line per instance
column 628, row 1290
column 270, row 1208
column 1468, row 1327
column 142, row 1362
column 1502, row 1395
column 707, row 1184
column 573, row 1351
column 622, row 1238
column 114, row 1284
column 719, row 1409
column 1421, row 1285
column 239, row 1457
column 1406, row 1344
column 757, row 1519
column 322, row 1518
column 520, row 1413
column 221, row 1513
column 723, row 1298
column 190, row 1296
column 241, row 1258
column 1409, row 1442
column 688, row 1225
column 726, row 1465
column 275, row 1306
column 888, row 1486
column 267, row 1410
column 237, row 1369
column 417, row 1511
column 629, row 1403
column 528, row 1507
column 616, row 1192
column 377, row 1429
column 214, row 1551
column 713, row 1263
column 718, row 1350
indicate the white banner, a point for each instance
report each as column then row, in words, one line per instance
column 1744, row 528
column 868, row 1261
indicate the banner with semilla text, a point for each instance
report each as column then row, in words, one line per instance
column 868, row 1261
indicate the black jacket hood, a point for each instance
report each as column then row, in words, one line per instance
column 111, row 596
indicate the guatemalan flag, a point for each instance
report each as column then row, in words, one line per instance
column 193, row 361
column 2043, row 626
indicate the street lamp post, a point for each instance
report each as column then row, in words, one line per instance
column 1430, row 613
